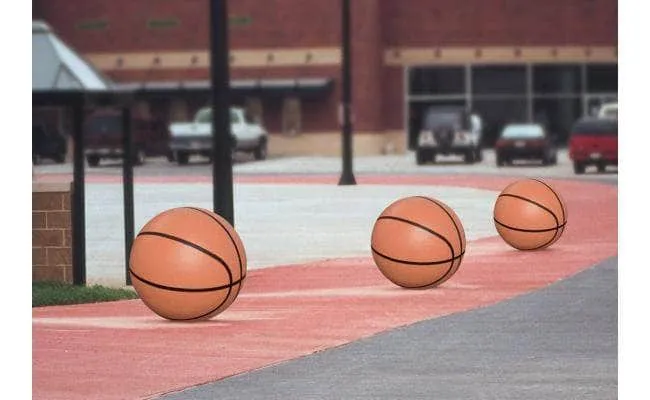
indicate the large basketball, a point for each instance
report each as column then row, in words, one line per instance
column 187, row 264
column 418, row 242
column 530, row 215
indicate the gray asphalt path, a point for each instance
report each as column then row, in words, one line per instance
column 556, row 343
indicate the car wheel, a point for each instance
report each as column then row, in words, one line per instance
column 601, row 168
column 93, row 161
column 422, row 156
column 578, row 167
column 470, row 157
column 546, row 161
column 139, row 158
column 500, row 161
column 59, row 158
column 36, row 159
column 261, row 151
column 479, row 155
column 182, row 158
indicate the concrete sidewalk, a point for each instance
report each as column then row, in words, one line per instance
column 279, row 223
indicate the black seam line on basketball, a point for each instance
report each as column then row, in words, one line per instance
column 417, row 262
column 557, row 223
column 556, row 196
column 177, row 289
column 241, row 266
column 443, row 278
column 543, row 207
column 460, row 240
column 192, row 245
column 218, row 306
column 529, row 230
column 207, row 252
column 444, row 239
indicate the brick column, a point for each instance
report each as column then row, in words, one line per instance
column 51, row 232
column 367, row 65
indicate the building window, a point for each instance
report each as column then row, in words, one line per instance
column 557, row 79
column 162, row 23
column 499, row 80
column 178, row 110
column 254, row 109
column 602, row 78
column 92, row 25
column 557, row 114
column 496, row 113
column 437, row 81
column 141, row 109
column 291, row 116
column 239, row 20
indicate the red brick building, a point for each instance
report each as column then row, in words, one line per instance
column 506, row 59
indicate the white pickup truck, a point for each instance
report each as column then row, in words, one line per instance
column 189, row 138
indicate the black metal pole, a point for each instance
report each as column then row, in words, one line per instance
column 78, row 197
column 127, row 185
column 222, row 186
column 347, row 176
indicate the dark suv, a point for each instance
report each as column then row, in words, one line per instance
column 103, row 136
column 449, row 130
column 47, row 143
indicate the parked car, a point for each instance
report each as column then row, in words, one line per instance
column 608, row 110
column 594, row 141
column 103, row 137
column 47, row 143
column 449, row 130
column 189, row 138
column 525, row 142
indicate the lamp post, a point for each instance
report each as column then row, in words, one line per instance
column 222, row 185
column 347, row 176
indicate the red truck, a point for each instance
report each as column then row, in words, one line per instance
column 103, row 137
column 594, row 141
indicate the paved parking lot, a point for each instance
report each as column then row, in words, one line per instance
column 393, row 164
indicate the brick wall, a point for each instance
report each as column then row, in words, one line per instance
column 51, row 232
column 500, row 22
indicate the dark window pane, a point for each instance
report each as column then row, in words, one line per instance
column 497, row 113
column 595, row 102
column 602, row 78
column 416, row 114
column 437, row 80
column 557, row 115
column 591, row 127
column 555, row 79
column 499, row 80
column 103, row 124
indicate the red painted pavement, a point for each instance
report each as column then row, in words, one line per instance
column 121, row 350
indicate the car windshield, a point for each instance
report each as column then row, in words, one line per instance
column 610, row 112
column 442, row 118
column 103, row 124
column 205, row 116
column 523, row 132
column 593, row 127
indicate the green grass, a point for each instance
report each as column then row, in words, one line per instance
column 55, row 293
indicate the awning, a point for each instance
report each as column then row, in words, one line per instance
column 299, row 86
column 57, row 67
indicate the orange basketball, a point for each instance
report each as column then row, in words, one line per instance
column 187, row 264
column 418, row 242
column 530, row 215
